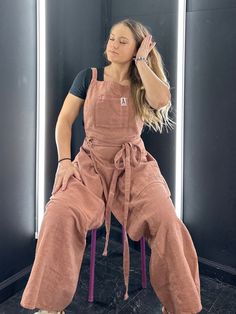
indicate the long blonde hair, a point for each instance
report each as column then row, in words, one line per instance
column 153, row 118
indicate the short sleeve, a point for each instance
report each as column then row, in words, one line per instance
column 81, row 82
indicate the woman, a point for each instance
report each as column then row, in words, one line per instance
column 113, row 172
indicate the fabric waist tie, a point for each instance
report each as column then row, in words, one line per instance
column 124, row 158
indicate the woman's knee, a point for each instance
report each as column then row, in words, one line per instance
column 152, row 209
column 59, row 212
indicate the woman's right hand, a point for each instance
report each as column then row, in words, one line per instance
column 66, row 168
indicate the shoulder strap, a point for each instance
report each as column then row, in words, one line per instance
column 94, row 74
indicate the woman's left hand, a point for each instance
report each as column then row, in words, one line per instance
column 145, row 47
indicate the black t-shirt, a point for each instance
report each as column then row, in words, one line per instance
column 82, row 80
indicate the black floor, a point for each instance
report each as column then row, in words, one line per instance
column 217, row 297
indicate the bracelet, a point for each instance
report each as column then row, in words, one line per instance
column 140, row 58
column 63, row 159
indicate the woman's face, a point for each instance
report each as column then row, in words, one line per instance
column 121, row 46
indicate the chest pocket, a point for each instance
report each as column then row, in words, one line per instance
column 111, row 112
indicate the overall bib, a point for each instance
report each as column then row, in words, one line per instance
column 118, row 175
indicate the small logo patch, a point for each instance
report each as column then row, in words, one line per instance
column 123, row 101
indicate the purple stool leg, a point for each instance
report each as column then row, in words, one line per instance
column 143, row 258
column 143, row 263
column 92, row 265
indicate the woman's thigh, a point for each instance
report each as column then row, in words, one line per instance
column 79, row 201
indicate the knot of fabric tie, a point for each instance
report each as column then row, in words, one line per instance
column 127, row 150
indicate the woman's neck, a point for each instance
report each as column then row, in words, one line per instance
column 117, row 74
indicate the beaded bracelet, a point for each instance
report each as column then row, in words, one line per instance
column 63, row 159
column 140, row 58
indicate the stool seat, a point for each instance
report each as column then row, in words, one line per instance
column 92, row 262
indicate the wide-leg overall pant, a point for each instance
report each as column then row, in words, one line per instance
column 69, row 214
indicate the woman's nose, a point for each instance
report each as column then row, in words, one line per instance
column 115, row 44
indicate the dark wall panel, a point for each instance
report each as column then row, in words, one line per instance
column 210, row 146
column 17, row 137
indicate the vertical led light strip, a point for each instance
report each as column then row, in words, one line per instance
column 180, row 108
column 41, row 88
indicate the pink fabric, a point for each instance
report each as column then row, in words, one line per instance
column 118, row 175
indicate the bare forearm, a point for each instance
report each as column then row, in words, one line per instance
column 63, row 139
column 157, row 93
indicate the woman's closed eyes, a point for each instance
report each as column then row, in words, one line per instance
column 120, row 42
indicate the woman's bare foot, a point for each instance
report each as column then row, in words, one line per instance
column 164, row 310
column 49, row 312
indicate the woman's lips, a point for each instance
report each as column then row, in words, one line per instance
column 114, row 52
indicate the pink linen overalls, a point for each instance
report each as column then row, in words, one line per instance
column 118, row 175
